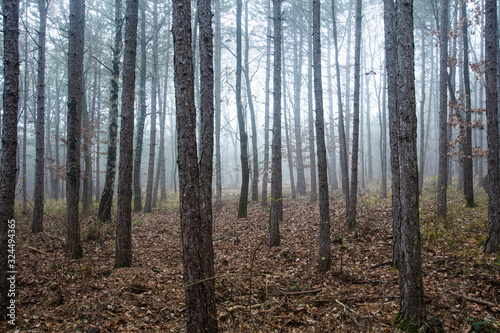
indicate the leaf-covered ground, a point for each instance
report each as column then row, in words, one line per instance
column 259, row 289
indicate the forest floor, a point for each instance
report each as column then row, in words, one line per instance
column 259, row 289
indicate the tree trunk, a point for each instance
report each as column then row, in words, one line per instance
column 245, row 172
column 443, row 110
column 310, row 111
column 276, row 177
column 25, row 110
column 351, row 219
column 392, row 100
column 467, row 159
column 74, row 123
column 87, row 172
column 152, row 141
column 492, row 244
column 38, row 195
column 325, row 253
column 123, row 253
column 422, row 106
column 253, row 119
column 109, row 182
column 344, row 168
column 265, row 178
column 10, row 11
column 332, row 170
column 412, row 305
column 97, row 189
column 218, row 102
column 287, row 136
column 142, row 116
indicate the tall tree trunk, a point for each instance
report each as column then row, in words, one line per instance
column 87, row 172
column 25, row 110
column 142, row 115
column 245, row 172
column 422, row 107
column 492, row 244
column 297, row 84
column 310, row 111
column 276, row 176
column 109, row 182
column 368, row 123
column 412, row 305
column 253, row 119
column 209, row 309
column 97, row 189
column 217, row 95
column 265, row 178
column 467, row 159
column 152, row 141
column 38, row 195
column 391, row 58
column 325, row 253
column 443, row 110
column 383, row 139
column 123, row 252
column 344, row 168
column 74, row 123
column 332, row 170
column 351, row 219
column 287, row 136
column 10, row 11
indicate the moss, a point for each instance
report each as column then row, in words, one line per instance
column 406, row 324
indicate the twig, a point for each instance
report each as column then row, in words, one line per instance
column 472, row 299
column 348, row 314
column 36, row 250
column 382, row 264
column 312, row 291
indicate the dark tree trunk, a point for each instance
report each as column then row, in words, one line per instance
column 10, row 11
column 217, row 95
column 310, row 111
column 199, row 297
column 467, row 159
column 325, row 253
column 38, row 195
column 209, row 308
column 245, row 172
column 392, row 100
column 97, row 189
column 265, row 177
column 422, row 107
column 351, row 218
column 443, row 110
column 492, row 244
column 123, row 253
column 74, row 123
column 276, row 174
column 142, row 115
column 412, row 306
column 253, row 119
column 109, row 182
column 344, row 168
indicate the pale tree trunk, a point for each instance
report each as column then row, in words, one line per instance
column 285, row 116
column 106, row 202
column 351, row 218
column 297, row 84
column 276, row 173
column 75, row 105
column 38, row 195
column 310, row 111
column 217, row 97
column 245, row 172
column 392, row 100
column 87, row 172
column 443, row 110
column 142, row 115
column 123, row 252
column 265, row 178
column 25, row 110
column 344, row 168
column 412, row 306
column 422, row 107
column 325, row 253
column 332, row 170
column 10, row 11
column 492, row 243
column 152, row 141
column 253, row 119
column 467, row 160
column 97, row 189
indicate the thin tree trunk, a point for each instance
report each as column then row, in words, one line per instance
column 217, row 95
column 38, row 195
column 351, row 219
column 25, row 125
column 287, row 136
column 265, row 178
column 422, row 107
column 97, row 189
column 87, row 172
column 332, row 170
column 310, row 111
column 276, row 177
column 325, row 253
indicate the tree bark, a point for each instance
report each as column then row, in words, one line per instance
column 492, row 243
column 217, row 95
column 123, row 252
column 38, row 195
column 106, row 202
column 287, row 135
column 265, row 175
column 325, row 253
column 10, row 11
column 276, row 177
column 74, row 124
column 310, row 111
